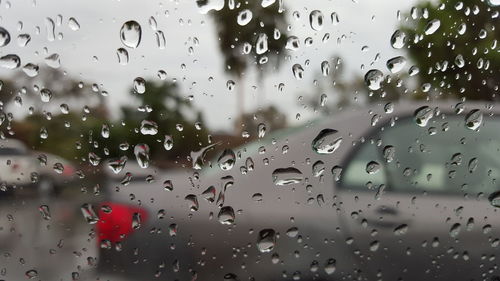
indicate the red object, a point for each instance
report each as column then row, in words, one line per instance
column 68, row 170
column 117, row 225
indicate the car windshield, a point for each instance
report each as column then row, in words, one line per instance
column 249, row 140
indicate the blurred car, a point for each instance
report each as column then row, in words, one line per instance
column 24, row 168
column 54, row 172
column 16, row 164
column 401, row 191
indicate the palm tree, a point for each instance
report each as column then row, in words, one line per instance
column 234, row 40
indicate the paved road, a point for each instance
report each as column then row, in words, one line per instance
column 57, row 248
column 54, row 248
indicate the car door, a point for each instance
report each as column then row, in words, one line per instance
column 416, row 203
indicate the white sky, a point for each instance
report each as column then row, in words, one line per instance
column 364, row 22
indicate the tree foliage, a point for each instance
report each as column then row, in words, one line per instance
column 456, row 63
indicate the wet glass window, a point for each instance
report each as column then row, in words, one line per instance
column 249, row 140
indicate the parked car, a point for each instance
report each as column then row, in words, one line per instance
column 22, row 168
column 55, row 172
column 392, row 192
column 17, row 166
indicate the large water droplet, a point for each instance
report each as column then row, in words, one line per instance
column 117, row 165
column 227, row 159
column 455, row 230
column 139, row 85
column 459, row 61
column 94, row 159
column 168, row 142
column 89, row 213
column 44, row 134
column 4, row 37
column 105, row 131
column 161, row 42
column 192, row 201
column 401, row 229
column 209, row 194
column 231, row 277
column 244, row 17
column 23, row 39
column 372, row 167
column 318, row 168
column 10, row 61
column 130, row 34
column 325, row 68
column 53, row 60
column 286, row 176
column 330, row 266
column 292, row 232
column 336, row 172
column 122, row 55
column 261, row 130
column 292, row 43
column 168, row 185
column 472, row 166
column 73, row 24
column 493, row 3
column 432, row 26
column 474, row 119
column 136, row 221
column 261, row 45
column 206, row 6
column 257, row 197
column 396, row 64
column 45, row 95
column 31, row 69
column 266, row 240
column 31, row 274
column 335, row 18
column 373, row 79
column 398, row 39
column 316, row 20
column 298, row 71
column 141, row 152
column 266, row 3
column 494, row 199
column 423, row 115
column 326, row 142
column 149, row 127
column 249, row 164
column 226, row 215
column 153, row 23
column 388, row 153
column 50, row 28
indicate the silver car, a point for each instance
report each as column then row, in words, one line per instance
column 395, row 192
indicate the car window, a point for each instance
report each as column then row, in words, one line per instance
column 356, row 173
column 446, row 157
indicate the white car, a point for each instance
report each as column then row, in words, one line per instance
column 21, row 167
column 17, row 166
column 54, row 172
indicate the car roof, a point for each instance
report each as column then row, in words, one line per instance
column 12, row 143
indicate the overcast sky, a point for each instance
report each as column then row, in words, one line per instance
column 89, row 54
